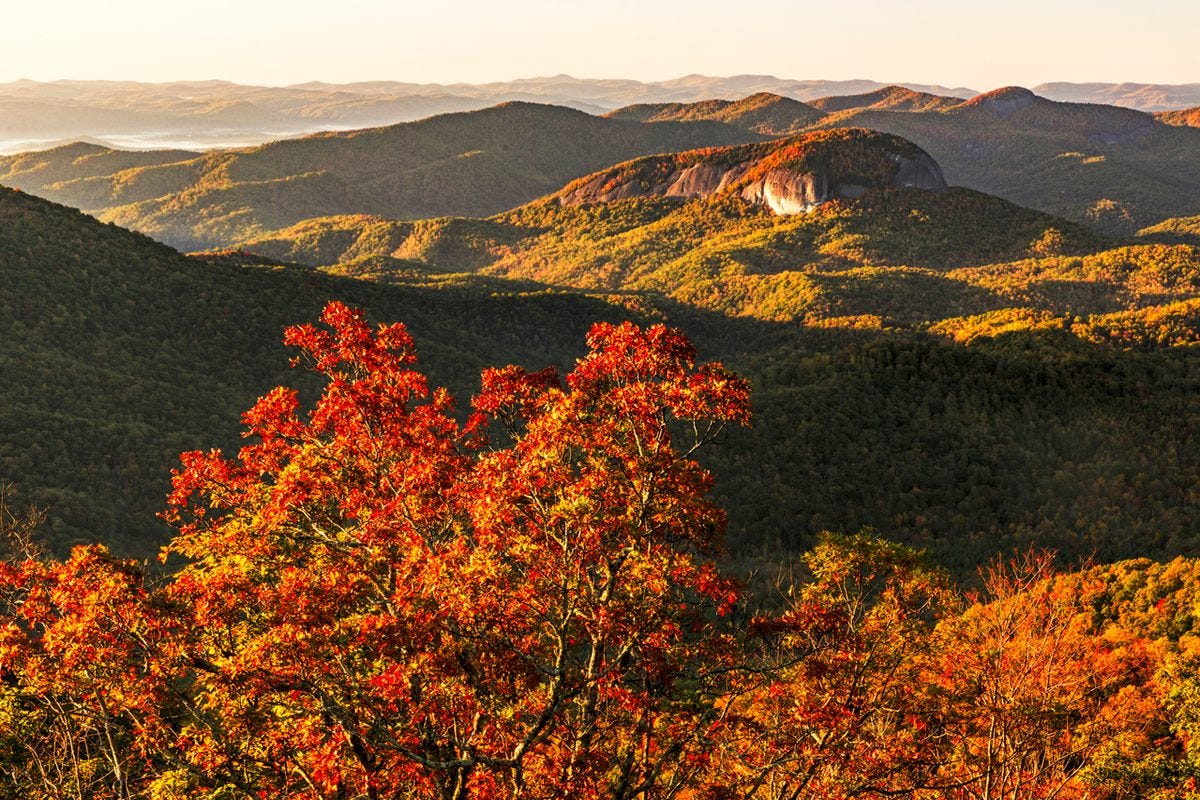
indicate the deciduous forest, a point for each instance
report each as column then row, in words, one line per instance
column 375, row 599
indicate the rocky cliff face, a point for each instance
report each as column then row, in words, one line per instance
column 789, row 177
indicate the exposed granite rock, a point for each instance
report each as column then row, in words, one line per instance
column 787, row 192
column 921, row 172
column 771, row 175
column 703, row 180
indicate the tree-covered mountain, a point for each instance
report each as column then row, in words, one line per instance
column 883, row 237
column 117, row 353
column 1112, row 168
column 476, row 163
column 765, row 113
column 44, row 170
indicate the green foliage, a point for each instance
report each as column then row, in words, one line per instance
column 1022, row 438
column 119, row 353
column 1178, row 230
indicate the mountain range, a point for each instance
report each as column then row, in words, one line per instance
column 1114, row 169
column 206, row 114
column 1142, row 96
column 833, row 227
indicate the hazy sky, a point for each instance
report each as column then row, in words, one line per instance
column 980, row 44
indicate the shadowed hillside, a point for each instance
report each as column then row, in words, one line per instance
column 118, row 353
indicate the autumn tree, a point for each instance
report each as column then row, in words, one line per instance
column 1034, row 695
column 1171, row 770
column 829, row 704
column 384, row 604
column 84, row 671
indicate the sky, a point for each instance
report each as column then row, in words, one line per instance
column 980, row 45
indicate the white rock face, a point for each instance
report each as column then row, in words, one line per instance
column 787, row 192
column 703, row 180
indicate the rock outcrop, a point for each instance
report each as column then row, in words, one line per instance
column 789, row 177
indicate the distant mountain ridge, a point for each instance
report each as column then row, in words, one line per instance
column 205, row 114
column 1141, row 96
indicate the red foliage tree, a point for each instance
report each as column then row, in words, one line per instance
column 85, row 674
column 828, row 704
column 384, row 605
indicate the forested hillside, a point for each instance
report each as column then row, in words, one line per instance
column 119, row 354
column 967, row 437
column 372, row 584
